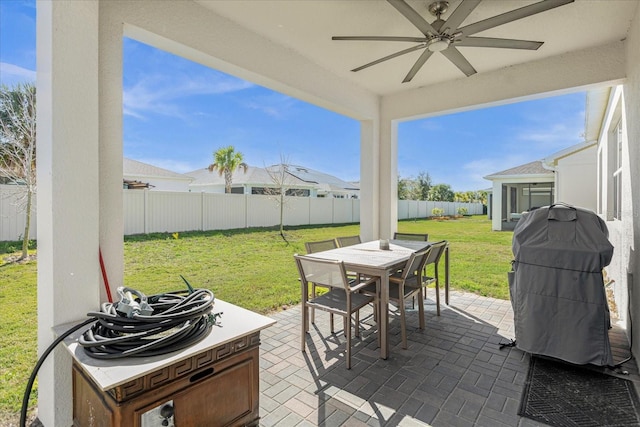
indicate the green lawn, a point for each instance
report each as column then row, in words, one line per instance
column 252, row 268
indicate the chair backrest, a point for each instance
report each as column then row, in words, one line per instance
column 415, row 263
column 411, row 236
column 348, row 241
column 437, row 249
column 319, row 246
column 322, row 272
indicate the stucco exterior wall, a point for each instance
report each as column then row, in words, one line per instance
column 624, row 232
column 576, row 179
column 631, row 184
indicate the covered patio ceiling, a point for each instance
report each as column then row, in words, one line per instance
column 306, row 28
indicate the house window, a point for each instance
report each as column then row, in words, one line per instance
column 297, row 192
column 617, row 174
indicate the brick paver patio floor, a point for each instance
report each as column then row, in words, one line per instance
column 452, row 374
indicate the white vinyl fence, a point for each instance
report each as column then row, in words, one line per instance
column 163, row 211
column 12, row 215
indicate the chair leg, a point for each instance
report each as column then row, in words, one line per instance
column 403, row 324
column 305, row 327
column 331, row 320
column 437, row 297
column 357, row 326
column 437, row 292
column 313, row 310
column 421, row 309
column 348, row 343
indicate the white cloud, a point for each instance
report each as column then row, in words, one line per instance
column 554, row 136
column 475, row 170
column 11, row 74
column 160, row 94
column 275, row 105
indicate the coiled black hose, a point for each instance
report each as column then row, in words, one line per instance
column 179, row 319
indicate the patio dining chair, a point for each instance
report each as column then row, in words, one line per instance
column 348, row 241
column 405, row 284
column 343, row 298
column 319, row 246
column 411, row 236
column 437, row 249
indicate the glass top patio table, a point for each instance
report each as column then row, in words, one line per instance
column 368, row 259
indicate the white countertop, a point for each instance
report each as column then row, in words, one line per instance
column 234, row 323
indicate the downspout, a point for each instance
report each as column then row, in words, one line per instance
column 550, row 164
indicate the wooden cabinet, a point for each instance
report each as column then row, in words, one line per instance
column 217, row 387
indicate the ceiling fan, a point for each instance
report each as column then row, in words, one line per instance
column 444, row 35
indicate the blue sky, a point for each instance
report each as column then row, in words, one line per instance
column 176, row 113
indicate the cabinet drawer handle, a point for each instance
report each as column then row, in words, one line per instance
column 200, row 375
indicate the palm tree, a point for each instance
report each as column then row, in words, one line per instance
column 226, row 161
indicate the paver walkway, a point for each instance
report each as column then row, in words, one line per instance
column 452, row 374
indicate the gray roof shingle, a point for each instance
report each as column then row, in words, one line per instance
column 532, row 168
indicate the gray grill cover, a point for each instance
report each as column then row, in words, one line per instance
column 557, row 291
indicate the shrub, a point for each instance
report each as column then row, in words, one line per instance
column 463, row 211
column 437, row 211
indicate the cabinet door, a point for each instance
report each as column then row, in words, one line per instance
column 225, row 398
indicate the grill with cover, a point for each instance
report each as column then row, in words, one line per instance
column 556, row 285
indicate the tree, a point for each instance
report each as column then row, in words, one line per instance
column 226, row 160
column 479, row 196
column 441, row 193
column 280, row 177
column 18, row 147
column 423, row 184
column 403, row 189
column 414, row 189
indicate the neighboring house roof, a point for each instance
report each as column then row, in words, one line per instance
column 133, row 168
column 327, row 181
column 298, row 177
column 532, row 168
column 254, row 176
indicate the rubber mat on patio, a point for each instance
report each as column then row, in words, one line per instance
column 564, row 395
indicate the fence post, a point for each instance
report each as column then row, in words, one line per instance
column 145, row 220
column 202, row 211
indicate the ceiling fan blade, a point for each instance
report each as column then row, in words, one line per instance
column 386, row 58
column 413, row 16
column 416, row 67
column 513, row 15
column 501, row 43
column 459, row 61
column 460, row 14
column 381, row 38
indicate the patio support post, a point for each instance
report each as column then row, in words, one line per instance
column 369, row 179
column 111, row 147
column 68, row 192
column 496, row 211
column 388, row 202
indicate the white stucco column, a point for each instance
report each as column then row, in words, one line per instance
column 369, row 179
column 68, row 170
column 496, row 206
column 110, row 151
column 388, row 202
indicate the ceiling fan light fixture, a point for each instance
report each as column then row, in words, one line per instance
column 438, row 44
